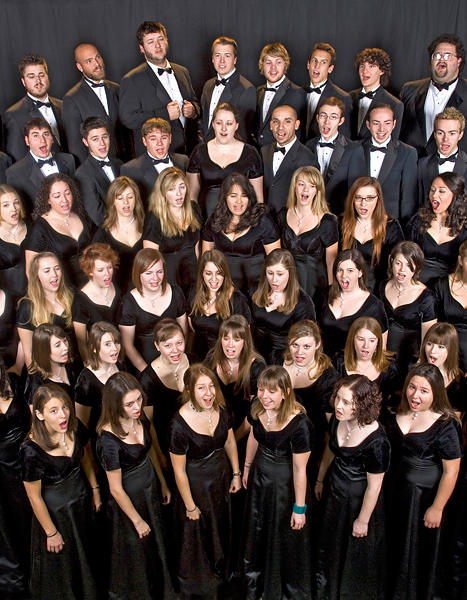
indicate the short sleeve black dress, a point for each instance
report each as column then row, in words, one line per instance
column 35, row 380
column 71, row 573
column 451, row 311
column 8, row 331
column 276, row 558
column 85, row 311
column 13, row 266
column 350, row 567
column 309, row 250
column 138, row 567
column 88, row 392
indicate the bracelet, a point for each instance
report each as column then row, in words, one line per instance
column 319, row 480
column 96, row 487
column 299, row 510
column 191, row 510
column 245, row 466
column 49, row 536
column 247, row 463
column 237, row 474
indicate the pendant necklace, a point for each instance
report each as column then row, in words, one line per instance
column 401, row 290
column 62, row 442
column 270, row 419
column 127, row 227
column 107, row 301
column 440, row 225
column 350, row 298
column 228, row 146
column 52, row 302
column 12, row 233
column 415, row 415
column 62, row 218
column 365, row 227
column 129, row 426
column 232, row 367
column 300, row 219
column 350, row 430
column 58, row 376
column 200, row 415
column 153, row 301
column 174, row 373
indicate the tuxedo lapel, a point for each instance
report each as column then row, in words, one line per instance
column 158, row 87
column 432, row 168
column 336, row 156
column 420, row 108
column 149, row 171
column 388, row 162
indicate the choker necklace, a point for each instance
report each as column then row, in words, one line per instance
column 415, row 415
column 300, row 219
column 62, row 218
column 228, row 146
column 350, row 430
column 232, row 368
column 129, row 426
column 197, row 412
column 12, row 233
column 107, row 301
column 126, row 228
column 350, row 298
column 62, row 442
column 365, row 227
column 174, row 373
column 440, row 225
column 270, row 419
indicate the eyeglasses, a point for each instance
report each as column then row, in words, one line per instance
column 445, row 55
column 324, row 117
column 360, row 199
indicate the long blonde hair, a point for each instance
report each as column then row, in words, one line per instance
column 308, row 328
column 313, row 176
column 381, row 358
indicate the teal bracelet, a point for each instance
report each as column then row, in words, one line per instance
column 299, row 510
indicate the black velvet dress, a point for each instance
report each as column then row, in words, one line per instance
column 271, row 328
column 203, row 553
column 15, row 509
column 131, row 314
column 440, row 259
column 8, row 331
column 13, row 266
column 126, row 254
column 451, row 311
column 84, row 310
column 138, row 568
column 44, row 238
column 413, row 481
column 88, row 392
column 277, row 558
column 349, row 567
column 207, row 326
column 245, row 255
column 179, row 251
column 71, row 573
column 309, row 250
column 35, row 380
column 212, row 175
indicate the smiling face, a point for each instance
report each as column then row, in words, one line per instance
column 102, row 273
column 155, row 48
column 436, row 354
column 125, row 203
column 284, row 124
column 365, row 344
column 98, row 142
column 319, row 67
column 274, row 68
column 447, row 135
column 205, row 392
column 348, row 275
column 303, row 351
column 10, row 209
column 40, row 142
column 401, row 269
column 58, row 350
column 90, row 62
column 305, row 192
column 223, row 59
column 344, row 405
column 157, row 143
column 175, row 195
column 225, row 126
column 237, row 201
column 232, row 346
column 36, row 81
column 329, row 120
column 370, row 76
column 419, row 394
column 278, row 277
column 60, row 199
column 445, row 71
column 381, row 124
column 440, row 197
column 270, row 399
column 109, row 350
column 55, row 415
column 213, row 277
column 131, row 404
column 152, row 278
column 365, row 201
column 49, row 273
column 173, row 348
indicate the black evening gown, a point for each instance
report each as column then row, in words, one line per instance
column 440, row 259
column 245, row 255
column 414, row 476
column 8, row 331
column 335, row 331
column 86, row 311
column 126, row 254
column 88, row 392
column 451, row 311
column 71, row 573
column 203, row 552
column 13, row 266
column 179, row 251
column 131, row 314
column 212, row 175
column 35, row 380
column 139, row 566
column 309, row 250
column 277, row 558
column 44, row 238
column 15, row 509
column 207, row 327
column 349, row 567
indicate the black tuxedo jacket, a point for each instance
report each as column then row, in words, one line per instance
column 287, row 93
column 337, row 174
column 142, row 97
column 413, row 95
column 94, row 184
column 381, row 95
column 331, row 90
column 239, row 92
column 276, row 188
column 25, row 176
column 16, row 118
column 428, row 170
column 81, row 102
column 398, row 177
column 141, row 170
column 5, row 162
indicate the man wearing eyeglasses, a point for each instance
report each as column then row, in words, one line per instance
column 425, row 98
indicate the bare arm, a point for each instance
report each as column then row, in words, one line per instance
column 183, row 322
column 28, row 254
column 297, row 521
column 55, row 541
column 251, row 448
column 270, row 247
column 370, row 498
column 326, row 460
column 128, row 341
column 243, row 430
column 446, row 486
column 160, row 476
column 385, row 339
column 149, row 244
column 149, row 411
column 195, row 185
column 205, row 246
column 89, row 470
column 26, row 341
column 230, row 447
column 426, row 326
column 183, row 485
column 124, row 502
column 257, row 184
column 83, row 413
column 331, row 253
column 82, row 338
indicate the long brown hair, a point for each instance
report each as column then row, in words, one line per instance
column 225, row 292
column 96, row 333
column 191, row 376
column 457, row 276
column 117, row 187
column 308, row 328
column 356, row 257
column 279, row 256
column 41, row 348
column 115, row 390
column 443, row 334
column 380, row 359
column 39, row 432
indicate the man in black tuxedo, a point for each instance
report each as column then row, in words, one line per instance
column 145, row 169
column 374, row 68
column 93, row 96
column 228, row 86
column 392, row 162
column 5, row 162
column 37, row 103
column 283, row 157
column 333, row 151
column 278, row 90
column 99, row 170
column 40, row 162
column 425, row 98
column 320, row 65
column 449, row 127
column 158, row 89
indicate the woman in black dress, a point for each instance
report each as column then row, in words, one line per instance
column 215, row 299
column 367, row 227
column 57, row 472
column 173, row 226
column 351, row 547
column 123, row 227
column 13, row 232
column 60, row 225
column 277, row 303
column 309, row 230
column 347, row 299
column 152, row 299
column 10, row 348
column 99, row 299
column 426, row 454
column 439, row 227
column 277, row 546
column 211, row 162
column 242, row 230
column 201, row 445
column 125, row 449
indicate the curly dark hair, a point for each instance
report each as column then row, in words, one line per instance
column 457, row 210
column 449, row 38
column 365, row 394
column 222, row 216
column 42, row 205
column 376, row 56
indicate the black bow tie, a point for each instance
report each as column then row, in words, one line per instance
column 94, row 84
column 162, row 71
column 221, row 81
column 270, row 90
column 38, row 104
column 378, row 149
column 156, row 161
column 317, row 90
column 326, row 144
column 369, row 95
column 47, row 161
column 103, row 163
column 452, row 158
column 443, row 86
column 279, row 149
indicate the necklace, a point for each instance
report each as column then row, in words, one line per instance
column 62, row 441
column 129, row 426
column 440, row 224
column 179, row 216
column 197, row 412
column 270, row 419
column 174, row 373
column 300, row 219
column 350, row 298
column 228, row 146
column 107, row 301
column 415, row 415
column 126, row 227
column 210, row 302
column 154, row 299
column 350, row 430
column 105, row 370
column 58, row 376
column 365, row 227
column 232, row 367
column 52, row 302
column 401, row 289
column 62, row 218
column 12, row 233
column 363, row 371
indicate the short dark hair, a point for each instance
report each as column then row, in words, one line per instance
column 150, row 27
column 377, row 106
column 449, row 38
column 225, row 41
column 36, row 123
column 333, row 101
column 412, row 253
column 93, row 123
column 31, row 59
column 324, row 48
column 376, row 56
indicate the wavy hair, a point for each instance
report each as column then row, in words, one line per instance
column 42, row 206
column 414, row 256
column 366, row 397
column 457, row 210
column 381, row 359
column 279, row 256
column 308, row 328
column 313, row 176
column 224, row 294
